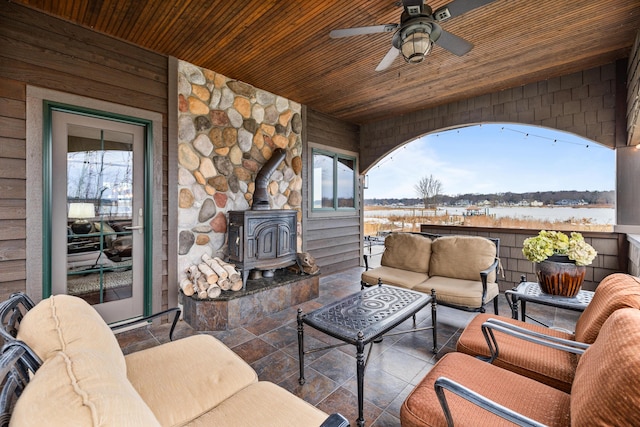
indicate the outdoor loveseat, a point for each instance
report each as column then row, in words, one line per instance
column 463, row 270
column 66, row 368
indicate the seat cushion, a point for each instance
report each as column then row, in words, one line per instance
column 407, row 251
column 462, row 257
column 614, row 292
column 81, row 388
column 550, row 366
column 530, row 398
column 183, row 379
column 64, row 322
column 393, row 276
column 605, row 389
column 459, row 292
column 270, row 406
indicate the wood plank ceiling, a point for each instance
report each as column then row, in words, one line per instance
column 284, row 46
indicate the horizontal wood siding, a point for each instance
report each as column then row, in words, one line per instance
column 335, row 242
column 43, row 51
column 12, row 187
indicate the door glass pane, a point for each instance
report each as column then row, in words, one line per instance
column 99, row 210
column 346, row 183
column 322, row 181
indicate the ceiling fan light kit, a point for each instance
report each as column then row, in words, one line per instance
column 416, row 45
column 415, row 38
column 418, row 30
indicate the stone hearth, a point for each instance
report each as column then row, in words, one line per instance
column 261, row 298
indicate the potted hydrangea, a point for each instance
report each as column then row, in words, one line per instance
column 560, row 260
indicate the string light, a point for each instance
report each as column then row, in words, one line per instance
column 527, row 135
column 502, row 129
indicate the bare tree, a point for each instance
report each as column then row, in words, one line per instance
column 429, row 188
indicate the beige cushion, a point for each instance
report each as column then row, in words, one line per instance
column 393, row 276
column 462, row 257
column 183, row 379
column 64, row 322
column 466, row 293
column 407, row 251
column 81, row 388
column 262, row 404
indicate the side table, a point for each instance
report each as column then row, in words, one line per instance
column 530, row 291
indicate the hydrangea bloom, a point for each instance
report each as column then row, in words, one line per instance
column 548, row 243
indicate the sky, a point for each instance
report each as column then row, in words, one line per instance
column 494, row 158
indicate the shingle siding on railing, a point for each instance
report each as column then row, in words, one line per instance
column 612, row 252
column 634, row 255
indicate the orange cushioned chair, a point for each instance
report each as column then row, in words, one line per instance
column 604, row 391
column 553, row 356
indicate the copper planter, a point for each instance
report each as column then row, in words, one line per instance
column 558, row 275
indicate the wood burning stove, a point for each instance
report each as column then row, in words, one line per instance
column 262, row 240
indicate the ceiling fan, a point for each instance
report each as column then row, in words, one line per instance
column 418, row 30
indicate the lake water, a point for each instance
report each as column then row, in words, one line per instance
column 600, row 216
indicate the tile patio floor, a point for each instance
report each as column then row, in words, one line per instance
column 396, row 365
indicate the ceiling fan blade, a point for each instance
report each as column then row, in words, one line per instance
column 454, row 44
column 388, row 59
column 458, row 7
column 356, row 31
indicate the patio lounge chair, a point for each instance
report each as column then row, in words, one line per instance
column 544, row 354
column 604, row 391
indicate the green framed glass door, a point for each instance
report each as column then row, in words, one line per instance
column 98, row 212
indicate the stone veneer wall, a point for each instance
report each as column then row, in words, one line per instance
column 227, row 130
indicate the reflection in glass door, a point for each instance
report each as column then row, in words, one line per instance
column 98, row 213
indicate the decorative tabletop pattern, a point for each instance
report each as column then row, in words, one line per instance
column 370, row 311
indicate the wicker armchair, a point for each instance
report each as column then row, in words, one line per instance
column 548, row 355
column 604, row 391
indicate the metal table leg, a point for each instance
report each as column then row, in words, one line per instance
column 360, row 378
column 512, row 300
column 301, row 380
column 434, row 321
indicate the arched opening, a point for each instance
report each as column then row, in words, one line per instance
column 498, row 175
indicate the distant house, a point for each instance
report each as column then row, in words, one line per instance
column 568, row 202
column 474, row 211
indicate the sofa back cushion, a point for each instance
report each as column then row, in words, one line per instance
column 462, row 257
column 64, row 322
column 80, row 388
column 407, row 251
column 614, row 292
column 605, row 389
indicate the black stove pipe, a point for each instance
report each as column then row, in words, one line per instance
column 260, row 195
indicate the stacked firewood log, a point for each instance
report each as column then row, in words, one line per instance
column 210, row 277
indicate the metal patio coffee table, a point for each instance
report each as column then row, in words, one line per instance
column 363, row 318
